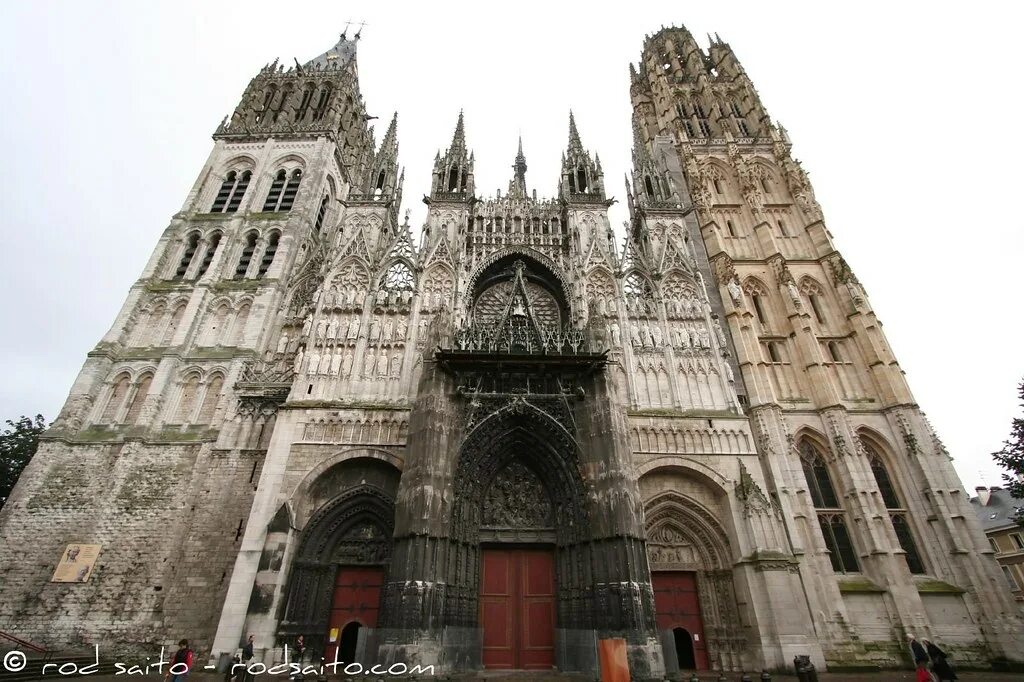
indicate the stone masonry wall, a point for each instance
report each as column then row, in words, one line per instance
column 167, row 518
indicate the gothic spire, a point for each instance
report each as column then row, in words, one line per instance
column 518, row 185
column 581, row 173
column 453, row 170
column 459, row 138
column 574, row 136
column 391, row 137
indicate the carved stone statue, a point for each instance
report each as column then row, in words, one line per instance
column 332, row 328
column 719, row 333
column 335, row 364
column 794, row 294
column 735, row 293
column 298, row 361
column 401, row 330
column 382, row 364
column 314, row 363
column 307, row 325
column 389, row 330
column 325, row 364
column 374, row 329
column 645, row 335
column 368, row 364
column 282, row 343
column 656, row 335
column 705, row 338
column 321, row 329
column 634, row 333
column 396, row 365
column 353, row 328
column 616, row 334
column 346, row 364
column 682, row 337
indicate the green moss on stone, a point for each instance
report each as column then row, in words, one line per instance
column 345, row 405
column 932, row 585
column 859, row 585
column 665, row 412
column 238, row 284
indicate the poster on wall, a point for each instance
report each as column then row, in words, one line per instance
column 76, row 564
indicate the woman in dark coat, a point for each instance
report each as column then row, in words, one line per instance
column 940, row 663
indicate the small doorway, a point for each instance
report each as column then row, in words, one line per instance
column 677, row 609
column 684, row 649
column 517, row 608
column 349, row 639
column 354, row 606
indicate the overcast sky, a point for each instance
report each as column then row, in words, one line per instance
column 908, row 120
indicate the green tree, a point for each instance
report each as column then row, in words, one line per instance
column 1011, row 457
column 17, row 445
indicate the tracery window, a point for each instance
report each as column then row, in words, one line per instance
column 268, row 254
column 231, row 192
column 321, row 213
column 398, row 278
column 191, row 244
column 831, row 517
column 211, row 250
column 282, row 192
column 897, row 513
column 636, row 285
column 247, row 251
column 276, row 187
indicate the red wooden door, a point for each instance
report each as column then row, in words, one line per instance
column 356, row 600
column 517, row 608
column 677, row 608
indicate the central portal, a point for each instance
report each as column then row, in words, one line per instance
column 517, row 608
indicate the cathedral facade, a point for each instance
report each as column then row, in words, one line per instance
column 498, row 444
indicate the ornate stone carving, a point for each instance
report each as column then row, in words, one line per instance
column 516, row 499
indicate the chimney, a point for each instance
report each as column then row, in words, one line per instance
column 983, row 495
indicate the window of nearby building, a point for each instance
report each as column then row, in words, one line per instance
column 1010, row 580
column 995, row 545
column 1017, row 541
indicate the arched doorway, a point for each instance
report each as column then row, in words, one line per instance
column 348, row 641
column 338, row 573
column 689, row 555
column 519, row 517
column 684, row 649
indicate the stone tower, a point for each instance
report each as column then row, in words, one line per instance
column 509, row 440
column 872, row 508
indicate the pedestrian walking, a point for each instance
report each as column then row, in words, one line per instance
column 920, row 656
column 185, row 656
column 941, row 667
column 247, row 655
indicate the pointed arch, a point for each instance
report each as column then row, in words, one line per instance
column 635, row 283
column 187, row 394
column 879, row 454
column 397, row 275
column 139, row 396
column 816, row 471
column 116, row 396
column 176, row 315
column 211, row 397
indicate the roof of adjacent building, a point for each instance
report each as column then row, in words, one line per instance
column 999, row 508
